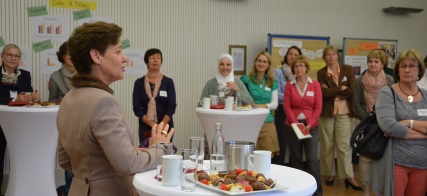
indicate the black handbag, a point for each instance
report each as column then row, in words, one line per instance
column 368, row 139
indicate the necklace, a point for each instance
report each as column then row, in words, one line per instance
column 410, row 97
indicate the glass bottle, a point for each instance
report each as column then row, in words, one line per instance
column 217, row 151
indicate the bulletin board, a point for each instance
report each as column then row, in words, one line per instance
column 355, row 51
column 311, row 46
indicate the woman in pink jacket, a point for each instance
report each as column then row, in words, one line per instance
column 303, row 104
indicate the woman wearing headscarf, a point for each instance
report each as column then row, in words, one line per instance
column 154, row 97
column 225, row 84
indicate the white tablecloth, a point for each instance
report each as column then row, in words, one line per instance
column 31, row 137
column 299, row 183
column 236, row 125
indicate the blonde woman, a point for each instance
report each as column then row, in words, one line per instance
column 336, row 119
column 263, row 89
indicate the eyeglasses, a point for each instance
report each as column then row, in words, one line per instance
column 408, row 66
column 11, row 55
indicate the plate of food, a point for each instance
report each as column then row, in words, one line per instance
column 243, row 108
column 43, row 104
column 237, row 182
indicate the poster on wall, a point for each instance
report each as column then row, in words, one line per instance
column 311, row 47
column 135, row 63
column 49, row 61
column 356, row 50
column 53, row 27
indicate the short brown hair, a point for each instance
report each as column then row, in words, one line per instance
column 329, row 48
column 411, row 54
column 379, row 54
column 300, row 58
column 9, row 46
column 89, row 36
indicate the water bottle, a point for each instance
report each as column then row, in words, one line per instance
column 217, row 151
column 238, row 101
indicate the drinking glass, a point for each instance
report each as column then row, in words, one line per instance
column 169, row 151
column 189, row 160
column 198, row 143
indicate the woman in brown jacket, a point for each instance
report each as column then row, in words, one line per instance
column 95, row 139
column 336, row 119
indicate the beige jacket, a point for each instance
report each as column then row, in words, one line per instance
column 97, row 142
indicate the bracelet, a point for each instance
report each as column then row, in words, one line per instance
column 412, row 123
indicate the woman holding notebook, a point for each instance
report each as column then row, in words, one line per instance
column 303, row 104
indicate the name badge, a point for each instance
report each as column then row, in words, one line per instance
column 163, row 94
column 267, row 89
column 221, row 94
column 310, row 93
column 422, row 112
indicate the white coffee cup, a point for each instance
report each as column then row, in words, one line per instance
column 206, row 102
column 260, row 162
column 229, row 104
column 171, row 169
column 230, row 97
column 214, row 99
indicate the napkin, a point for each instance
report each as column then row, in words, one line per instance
column 19, row 103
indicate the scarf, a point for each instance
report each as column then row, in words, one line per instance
column 222, row 80
column 152, row 112
column 372, row 87
column 10, row 80
column 67, row 76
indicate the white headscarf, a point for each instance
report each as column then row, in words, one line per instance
column 222, row 80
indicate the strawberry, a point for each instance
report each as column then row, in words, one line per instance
column 204, row 181
column 223, row 187
column 248, row 188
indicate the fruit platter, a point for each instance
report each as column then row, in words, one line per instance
column 237, row 182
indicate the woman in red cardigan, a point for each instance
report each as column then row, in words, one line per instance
column 303, row 104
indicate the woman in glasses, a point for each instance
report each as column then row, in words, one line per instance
column 403, row 117
column 366, row 92
column 13, row 85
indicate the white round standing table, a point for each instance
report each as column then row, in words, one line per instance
column 32, row 137
column 300, row 183
column 236, row 125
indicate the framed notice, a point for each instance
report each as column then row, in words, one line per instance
column 238, row 52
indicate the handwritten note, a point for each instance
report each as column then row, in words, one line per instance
column 73, row 4
column 368, row 46
column 125, row 44
column 2, row 42
column 80, row 14
column 37, row 11
column 43, row 45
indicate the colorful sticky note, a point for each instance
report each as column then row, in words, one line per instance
column 368, row 46
column 352, row 51
column 80, row 14
column 125, row 44
column 43, row 45
column 37, row 11
column 2, row 42
column 73, row 4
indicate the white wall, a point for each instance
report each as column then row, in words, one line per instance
column 192, row 33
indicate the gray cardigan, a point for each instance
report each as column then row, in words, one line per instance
column 359, row 102
column 389, row 113
column 211, row 88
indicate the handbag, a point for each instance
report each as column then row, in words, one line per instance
column 368, row 139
